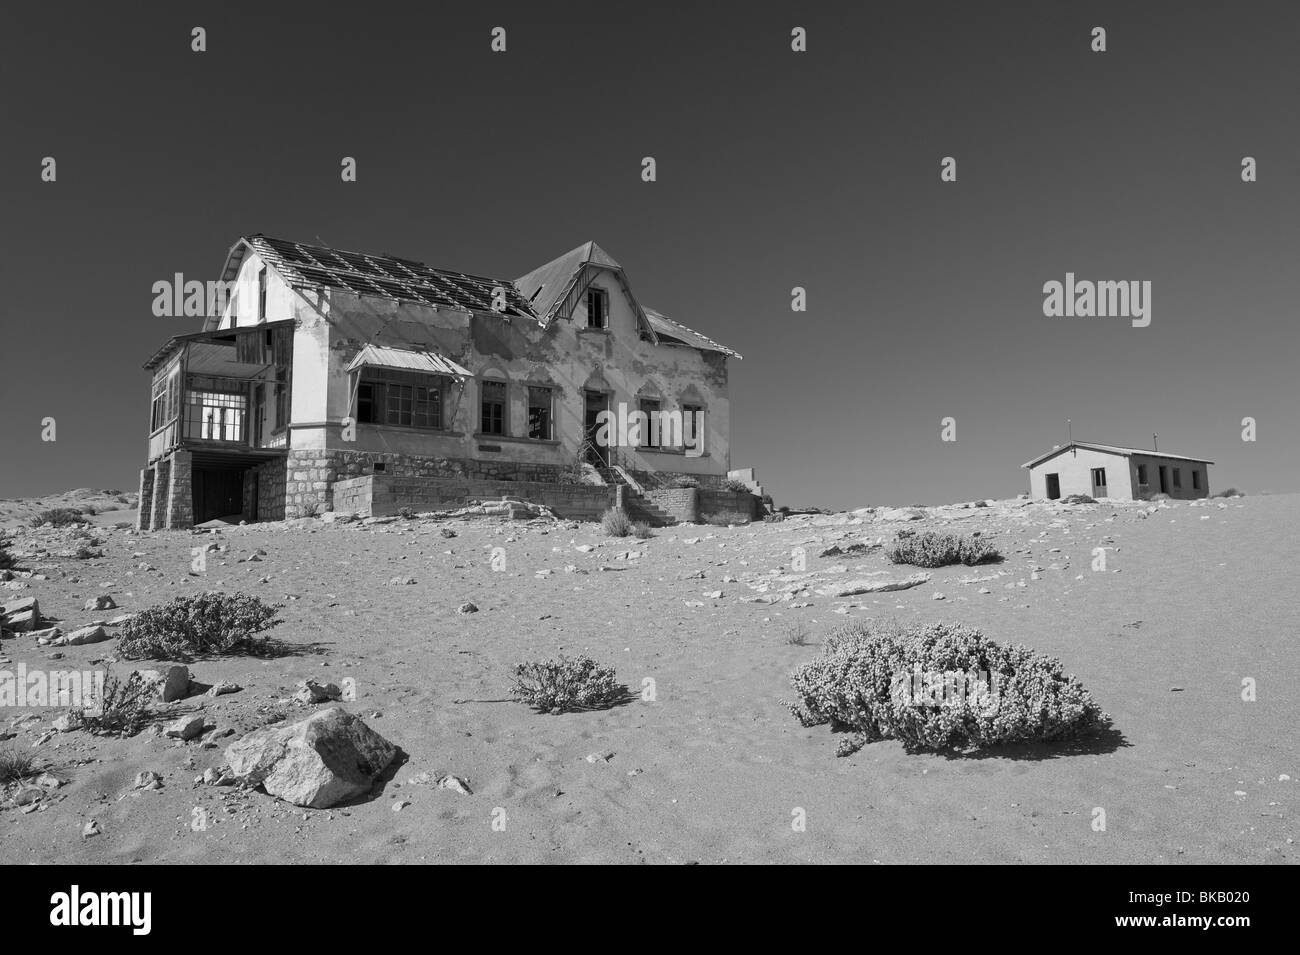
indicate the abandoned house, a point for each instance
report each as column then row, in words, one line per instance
column 1122, row 474
column 332, row 380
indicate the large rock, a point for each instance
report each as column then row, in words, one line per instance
column 21, row 615
column 171, row 684
column 330, row 757
column 855, row 587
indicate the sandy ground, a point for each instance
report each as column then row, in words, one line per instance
column 1195, row 598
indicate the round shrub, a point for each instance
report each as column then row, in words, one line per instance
column 887, row 681
column 197, row 625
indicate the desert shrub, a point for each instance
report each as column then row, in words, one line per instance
column 797, row 635
column 1078, row 499
column 682, row 481
column 866, row 681
column 732, row 484
column 15, row 765
column 406, row 513
column 641, row 530
column 616, row 523
column 1230, row 492
column 84, row 552
column 565, row 684
column 90, row 510
column 932, row 549
column 199, row 624
column 121, row 706
column 7, row 560
column 57, row 517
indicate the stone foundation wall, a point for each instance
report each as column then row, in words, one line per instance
column 312, row 475
column 682, row 503
column 271, row 490
column 732, row 507
column 380, row 495
column 144, row 517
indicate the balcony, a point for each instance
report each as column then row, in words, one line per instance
column 222, row 391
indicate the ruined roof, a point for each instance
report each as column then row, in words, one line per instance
column 388, row 276
column 547, row 286
column 1111, row 449
column 536, row 296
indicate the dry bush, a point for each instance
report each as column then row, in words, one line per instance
column 198, row 625
column 932, row 549
column 566, row 684
column 863, row 682
column 616, row 523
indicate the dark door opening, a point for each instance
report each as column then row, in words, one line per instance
column 1164, row 479
column 218, row 492
column 594, row 402
column 1053, row 487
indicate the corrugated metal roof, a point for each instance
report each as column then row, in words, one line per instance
column 404, row 359
column 665, row 327
column 1112, row 449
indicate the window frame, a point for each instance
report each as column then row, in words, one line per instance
column 382, row 386
column 549, row 434
column 504, row 402
column 601, row 295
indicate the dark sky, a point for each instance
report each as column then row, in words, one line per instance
column 776, row 169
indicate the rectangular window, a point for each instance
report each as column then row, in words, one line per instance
column 1196, row 480
column 650, row 436
column 493, row 407
column 597, row 308
column 215, row 416
column 1142, row 474
column 414, row 401
column 1098, row 478
column 1178, row 477
column 261, row 294
column 693, row 425
column 539, row 413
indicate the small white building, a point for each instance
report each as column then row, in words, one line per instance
column 1122, row 474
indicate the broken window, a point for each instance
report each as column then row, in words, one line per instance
column 1178, row 477
column 693, row 425
column 1142, row 474
column 597, row 308
column 493, row 407
column 261, row 294
column 1196, row 480
column 650, row 432
column 539, row 413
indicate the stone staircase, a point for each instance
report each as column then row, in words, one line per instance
column 631, row 499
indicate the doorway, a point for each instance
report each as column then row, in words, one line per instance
column 1164, row 479
column 594, row 402
column 1099, row 482
column 218, row 492
column 1053, row 487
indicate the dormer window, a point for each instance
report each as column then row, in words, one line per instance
column 597, row 308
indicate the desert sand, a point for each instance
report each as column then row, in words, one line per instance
column 1195, row 598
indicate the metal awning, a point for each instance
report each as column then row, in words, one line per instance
column 403, row 359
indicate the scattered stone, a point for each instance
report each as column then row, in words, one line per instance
column 148, row 780
column 92, row 634
column 467, row 608
column 455, row 784
column 68, row 722
column 401, row 581
column 309, row 692
column 21, row 615
column 102, row 602
column 185, row 728
column 855, row 587
column 224, row 687
column 323, row 760
column 174, row 684
column 91, row 828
